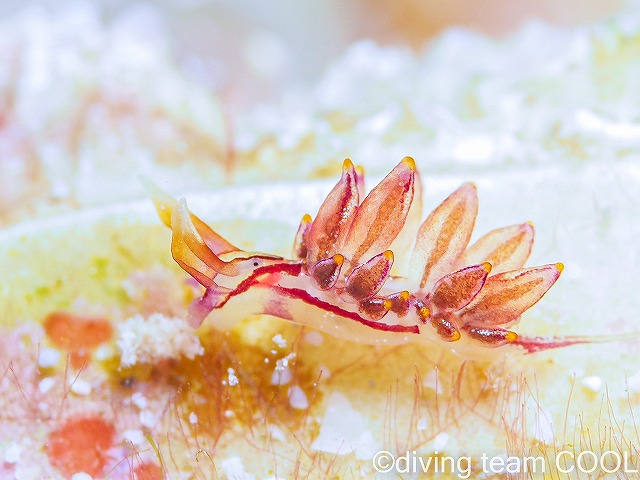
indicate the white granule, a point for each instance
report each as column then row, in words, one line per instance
column 440, row 441
column 343, row 430
column 28, row 472
column 297, row 398
column 279, row 340
column 543, row 430
column 422, row 424
column 134, row 436
column 593, row 383
column 233, row 379
column 81, row 476
column 157, row 337
column 48, row 357
column 104, row 352
column 313, row 337
column 193, row 418
column 284, row 362
column 431, row 381
column 281, row 376
column 633, row 383
column 147, row 418
column 233, row 469
column 276, row 433
column 139, row 400
column 80, row 387
column 45, row 384
column 12, row 454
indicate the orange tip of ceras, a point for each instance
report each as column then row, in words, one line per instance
column 487, row 267
column 455, row 336
column 387, row 304
column 347, row 164
column 338, row 259
column 410, row 163
column 306, row 218
column 560, row 266
column 388, row 255
column 511, row 337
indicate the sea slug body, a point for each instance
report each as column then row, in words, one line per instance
column 341, row 278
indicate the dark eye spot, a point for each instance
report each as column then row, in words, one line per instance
column 255, row 264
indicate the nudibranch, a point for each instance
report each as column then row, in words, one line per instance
column 342, row 280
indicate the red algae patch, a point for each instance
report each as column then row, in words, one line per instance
column 80, row 446
column 148, row 471
column 77, row 334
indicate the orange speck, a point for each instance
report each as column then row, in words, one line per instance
column 80, row 446
column 148, row 471
column 79, row 359
column 409, row 162
column 74, row 332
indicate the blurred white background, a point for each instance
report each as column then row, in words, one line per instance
column 251, row 50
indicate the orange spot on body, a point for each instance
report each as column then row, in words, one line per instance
column 148, row 471
column 80, row 446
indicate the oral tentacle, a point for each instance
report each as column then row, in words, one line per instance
column 185, row 230
column 188, row 261
column 165, row 205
